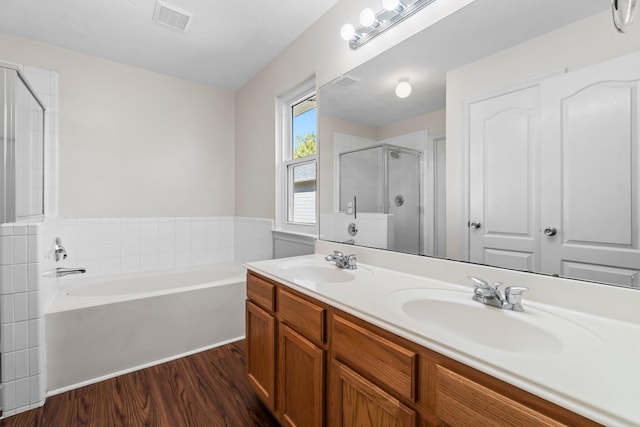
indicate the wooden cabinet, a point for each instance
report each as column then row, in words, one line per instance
column 355, row 401
column 260, row 359
column 314, row 365
column 460, row 401
column 286, row 351
column 301, row 380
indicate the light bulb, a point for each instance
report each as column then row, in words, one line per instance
column 390, row 4
column 367, row 17
column 403, row 89
column 347, row 32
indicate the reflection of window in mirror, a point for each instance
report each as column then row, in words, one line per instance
column 299, row 161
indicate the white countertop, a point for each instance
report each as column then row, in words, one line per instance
column 596, row 373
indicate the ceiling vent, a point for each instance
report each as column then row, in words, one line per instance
column 171, row 16
column 344, row 81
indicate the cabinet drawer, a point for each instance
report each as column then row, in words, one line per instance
column 307, row 317
column 460, row 401
column 384, row 361
column 261, row 292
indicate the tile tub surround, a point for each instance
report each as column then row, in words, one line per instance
column 25, row 255
column 594, row 374
column 121, row 245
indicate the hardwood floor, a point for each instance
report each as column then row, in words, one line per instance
column 205, row 389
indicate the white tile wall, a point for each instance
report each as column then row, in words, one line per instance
column 24, row 258
column 24, row 293
column 252, row 239
column 115, row 245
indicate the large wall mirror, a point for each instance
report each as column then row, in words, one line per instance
column 516, row 147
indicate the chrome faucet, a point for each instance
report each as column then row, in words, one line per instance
column 490, row 295
column 64, row 271
column 59, row 251
column 347, row 262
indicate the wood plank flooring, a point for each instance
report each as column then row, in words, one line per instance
column 205, row 389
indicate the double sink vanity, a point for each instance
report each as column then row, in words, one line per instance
column 400, row 341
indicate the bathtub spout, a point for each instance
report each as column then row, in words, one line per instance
column 63, row 271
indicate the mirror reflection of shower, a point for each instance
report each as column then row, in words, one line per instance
column 391, row 174
column 398, row 189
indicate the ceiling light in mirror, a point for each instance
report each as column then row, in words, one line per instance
column 403, row 89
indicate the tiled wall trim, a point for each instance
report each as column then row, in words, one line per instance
column 120, row 245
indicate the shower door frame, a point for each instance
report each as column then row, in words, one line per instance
column 385, row 171
column 9, row 84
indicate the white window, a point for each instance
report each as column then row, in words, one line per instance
column 298, row 188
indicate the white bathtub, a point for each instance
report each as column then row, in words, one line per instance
column 101, row 327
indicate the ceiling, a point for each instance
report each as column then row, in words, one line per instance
column 226, row 43
column 479, row 29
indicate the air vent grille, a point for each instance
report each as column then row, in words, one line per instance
column 344, row 81
column 172, row 16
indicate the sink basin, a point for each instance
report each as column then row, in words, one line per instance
column 455, row 315
column 315, row 272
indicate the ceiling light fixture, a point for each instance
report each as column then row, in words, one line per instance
column 372, row 24
column 403, row 89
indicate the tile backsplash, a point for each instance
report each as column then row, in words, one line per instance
column 120, row 245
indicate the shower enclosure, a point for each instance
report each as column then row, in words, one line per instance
column 385, row 179
column 22, row 139
column 21, row 155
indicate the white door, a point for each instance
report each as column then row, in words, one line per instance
column 590, row 183
column 502, row 180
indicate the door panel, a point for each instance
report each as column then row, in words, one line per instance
column 503, row 165
column 589, row 191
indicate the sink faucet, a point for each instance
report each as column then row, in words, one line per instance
column 490, row 295
column 63, row 271
column 342, row 261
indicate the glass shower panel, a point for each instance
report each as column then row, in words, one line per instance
column 403, row 198
column 22, row 150
column 29, row 152
column 362, row 176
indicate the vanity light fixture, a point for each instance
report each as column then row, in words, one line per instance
column 368, row 18
column 624, row 11
column 403, row 89
column 372, row 24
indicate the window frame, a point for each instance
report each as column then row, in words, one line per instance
column 285, row 162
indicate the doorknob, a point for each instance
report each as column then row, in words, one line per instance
column 475, row 225
column 550, row 231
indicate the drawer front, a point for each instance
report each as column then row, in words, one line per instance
column 460, row 401
column 304, row 316
column 385, row 362
column 261, row 292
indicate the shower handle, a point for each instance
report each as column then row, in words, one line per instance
column 355, row 208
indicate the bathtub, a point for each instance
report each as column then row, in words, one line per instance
column 101, row 327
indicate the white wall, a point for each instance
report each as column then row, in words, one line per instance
column 320, row 51
column 575, row 46
column 134, row 143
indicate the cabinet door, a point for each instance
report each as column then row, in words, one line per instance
column 260, row 358
column 462, row 402
column 301, row 380
column 357, row 402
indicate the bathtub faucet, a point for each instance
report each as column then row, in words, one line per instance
column 63, row 271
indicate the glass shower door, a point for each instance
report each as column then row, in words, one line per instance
column 403, row 198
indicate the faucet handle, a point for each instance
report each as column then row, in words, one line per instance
column 338, row 254
column 513, row 294
column 479, row 283
column 351, row 261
